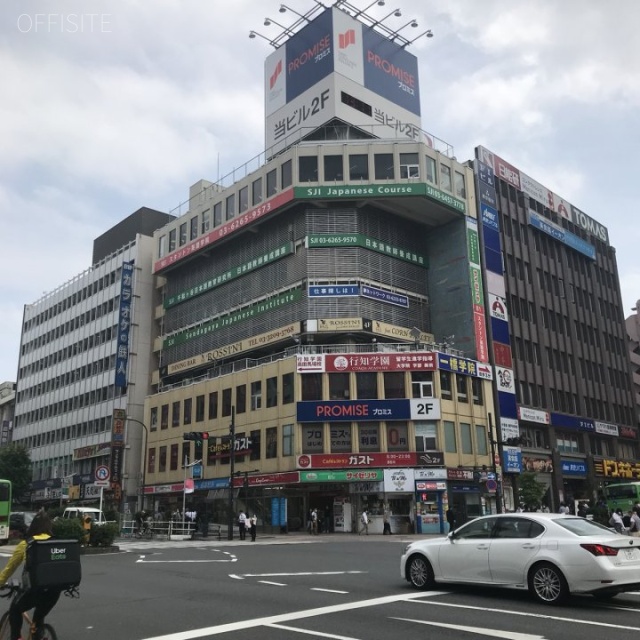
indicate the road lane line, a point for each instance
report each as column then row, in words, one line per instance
column 317, row 634
column 301, row 573
column 328, row 590
column 492, row 633
column 275, row 584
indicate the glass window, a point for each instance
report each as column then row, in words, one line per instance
column 308, row 169
column 287, row 440
column 367, row 385
column 445, row 384
column 461, row 388
column 369, row 437
column 287, row 388
column 333, row 169
column 256, row 191
column 383, row 166
column 481, row 440
column 409, row 165
column 311, row 384
column 213, row 405
column 445, row 177
column 188, row 402
column 226, row 402
column 255, row 445
column 359, row 166
column 231, row 206
column 175, row 414
column 193, row 231
column 312, row 438
column 243, row 199
column 206, row 221
column 183, row 233
column 186, row 452
column 256, row 395
column 339, row 386
column 286, row 174
column 426, row 436
column 430, row 165
column 397, row 436
column 341, row 438
column 479, row 528
column 272, row 392
column 476, row 390
column 151, row 460
column 241, row 398
column 393, row 384
column 272, row 182
column 199, row 408
column 465, row 438
column 450, row 445
column 173, row 461
column 217, row 214
column 162, row 246
column 422, row 384
column 162, row 462
column 154, row 419
column 272, row 442
column 164, row 417
column 460, row 189
column 172, row 240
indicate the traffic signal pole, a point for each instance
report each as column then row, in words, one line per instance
column 232, row 469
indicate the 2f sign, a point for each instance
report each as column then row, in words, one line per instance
column 425, row 409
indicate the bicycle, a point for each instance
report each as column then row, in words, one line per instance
column 142, row 532
column 28, row 628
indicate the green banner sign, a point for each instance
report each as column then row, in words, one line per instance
column 362, row 475
column 380, row 191
column 231, row 274
column 318, row 240
column 250, row 311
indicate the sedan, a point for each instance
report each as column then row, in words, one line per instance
column 551, row 555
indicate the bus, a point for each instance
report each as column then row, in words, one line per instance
column 622, row 495
column 5, row 510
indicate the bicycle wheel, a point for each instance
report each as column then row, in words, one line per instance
column 49, row 633
column 5, row 629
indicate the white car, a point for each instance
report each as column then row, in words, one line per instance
column 550, row 554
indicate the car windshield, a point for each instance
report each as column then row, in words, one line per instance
column 582, row 526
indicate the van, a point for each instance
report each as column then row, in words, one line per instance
column 96, row 515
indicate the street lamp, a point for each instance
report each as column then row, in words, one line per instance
column 144, row 464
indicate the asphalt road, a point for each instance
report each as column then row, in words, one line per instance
column 298, row 587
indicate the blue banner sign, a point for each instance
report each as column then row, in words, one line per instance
column 384, row 296
column 574, row 467
column 572, row 422
column 512, row 459
column 333, row 290
column 489, row 217
column 562, row 235
column 353, row 410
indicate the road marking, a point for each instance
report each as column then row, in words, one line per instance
column 317, row 634
column 301, row 573
column 328, row 590
column 231, row 558
column 295, row 615
column 532, row 615
column 493, row 633
column 275, row 584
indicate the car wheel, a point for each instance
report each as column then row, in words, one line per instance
column 547, row 583
column 419, row 572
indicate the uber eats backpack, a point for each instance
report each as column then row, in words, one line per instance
column 52, row 563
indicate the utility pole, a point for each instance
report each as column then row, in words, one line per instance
column 232, row 469
column 494, row 442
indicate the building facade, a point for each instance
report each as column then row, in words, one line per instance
column 7, row 411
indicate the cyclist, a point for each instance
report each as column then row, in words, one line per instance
column 142, row 522
column 42, row 599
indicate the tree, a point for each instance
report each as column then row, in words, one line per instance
column 531, row 491
column 15, row 465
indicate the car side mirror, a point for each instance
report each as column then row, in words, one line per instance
column 451, row 535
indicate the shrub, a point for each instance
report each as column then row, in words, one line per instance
column 68, row 529
column 103, row 535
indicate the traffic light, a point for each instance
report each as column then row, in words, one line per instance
column 198, row 436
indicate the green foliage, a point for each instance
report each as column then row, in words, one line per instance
column 68, row 529
column 103, row 535
column 15, row 465
column 600, row 514
column 530, row 490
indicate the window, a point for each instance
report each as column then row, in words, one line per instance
column 188, row 403
column 199, row 408
column 154, row 419
column 312, row 438
column 287, row 388
column 241, row 398
column 286, row 174
column 445, row 384
column 175, row 414
column 339, row 386
column 359, row 167
column 186, row 453
column 172, row 240
column 461, row 388
column 162, row 462
column 311, row 386
column 287, row 440
column 476, row 391
column 369, row 437
column 256, row 395
column 213, row 405
column 458, row 183
column 230, row 206
column 367, row 385
column 409, row 165
column 151, row 460
column 308, row 169
column 465, row 438
column 162, row 249
column 422, row 384
column 450, row 445
column 568, row 443
column 397, row 436
column 383, row 166
column 164, row 416
column 340, row 438
column 243, row 199
column 445, row 177
column 426, row 436
column 272, row 392
column 481, row 440
column 256, row 191
column 217, row 214
column 173, row 460
column 206, row 221
column 430, row 165
column 333, row 169
column 193, row 231
column 226, row 402
column 256, row 444
column 393, row 384
column 477, row 529
column 272, row 183
column 272, row 442
column 183, row 233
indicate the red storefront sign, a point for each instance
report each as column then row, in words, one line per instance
column 358, row 460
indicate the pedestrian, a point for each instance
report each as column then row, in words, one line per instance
column 242, row 525
column 582, row 510
column 314, row 522
column 386, row 521
column 563, row 509
column 253, row 522
column 364, row 519
column 634, row 529
column 616, row 521
column 326, row 523
column 451, row 519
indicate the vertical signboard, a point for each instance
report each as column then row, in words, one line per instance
column 124, row 324
column 117, row 448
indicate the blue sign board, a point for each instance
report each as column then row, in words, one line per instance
column 124, row 324
column 487, row 195
column 384, row 296
column 489, row 217
column 278, row 512
column 512, row 460
column 353, row 410
column 574, row 467
column 572, row 422
column 213, row 483
column 456, row 364
column 562, row 235
column 333, row 290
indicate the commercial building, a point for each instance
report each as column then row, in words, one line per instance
column 7, row 410
column 322, row 336
column 84, row 367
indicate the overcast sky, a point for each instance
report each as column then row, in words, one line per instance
column 109, row 106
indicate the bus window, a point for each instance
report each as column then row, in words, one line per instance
column 622, row 496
